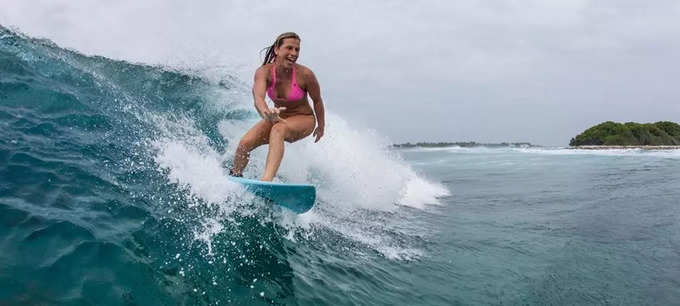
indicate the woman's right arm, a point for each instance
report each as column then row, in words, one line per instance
column 259, row 91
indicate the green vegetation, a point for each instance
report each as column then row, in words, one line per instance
column 662, row 133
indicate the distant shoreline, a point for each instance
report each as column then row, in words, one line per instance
column 468, row 144
column 605, row 147
column 472, row 144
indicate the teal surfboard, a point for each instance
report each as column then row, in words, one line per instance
column 296, row 197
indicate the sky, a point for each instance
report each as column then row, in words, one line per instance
column 484, row 70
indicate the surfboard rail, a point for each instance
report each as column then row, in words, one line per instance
column 299, row 198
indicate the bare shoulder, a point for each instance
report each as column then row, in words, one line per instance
column 264, row 69
column 262, row 72
column 307, row 73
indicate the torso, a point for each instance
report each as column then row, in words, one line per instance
column 282, row 90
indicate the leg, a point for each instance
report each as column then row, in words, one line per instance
column 293, row 129
column 255, row 137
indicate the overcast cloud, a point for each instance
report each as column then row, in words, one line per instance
column 488, row 70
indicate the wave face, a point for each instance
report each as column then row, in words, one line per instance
column 112, row 188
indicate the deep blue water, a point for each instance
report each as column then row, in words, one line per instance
column 113, row 191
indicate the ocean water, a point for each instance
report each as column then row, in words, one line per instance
column 113, row 191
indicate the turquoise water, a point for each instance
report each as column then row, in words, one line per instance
column 113, row 191
column 558, row 226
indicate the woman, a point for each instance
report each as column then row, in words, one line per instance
column 291, row 118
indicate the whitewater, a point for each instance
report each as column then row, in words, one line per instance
column 114, row 190
column 106, row 154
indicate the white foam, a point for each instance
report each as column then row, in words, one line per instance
column 420, row 191
column 353, row 170
column 350, row 167
column 209, row 228
column 201, row 172
column 357, row 169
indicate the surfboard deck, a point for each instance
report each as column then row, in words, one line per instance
column 297, row 197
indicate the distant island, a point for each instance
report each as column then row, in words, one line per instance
column 662, row 133
column 469, row 144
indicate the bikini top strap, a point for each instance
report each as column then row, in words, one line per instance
column 273, row 75
column 294, row 80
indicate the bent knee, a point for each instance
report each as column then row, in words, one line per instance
column 279, row 129
column 248, row 143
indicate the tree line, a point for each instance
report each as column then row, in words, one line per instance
column 662, row 133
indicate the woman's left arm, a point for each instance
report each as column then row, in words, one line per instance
column 315, row 93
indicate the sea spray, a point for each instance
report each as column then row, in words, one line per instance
column 121, row 168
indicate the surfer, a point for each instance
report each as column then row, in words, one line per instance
column 288, row 85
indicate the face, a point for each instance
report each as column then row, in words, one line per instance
column 288, row 53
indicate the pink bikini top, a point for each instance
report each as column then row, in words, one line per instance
column 296, row 93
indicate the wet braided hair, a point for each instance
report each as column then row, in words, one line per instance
column 269, row 55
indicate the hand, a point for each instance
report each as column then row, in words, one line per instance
column 318, row 133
